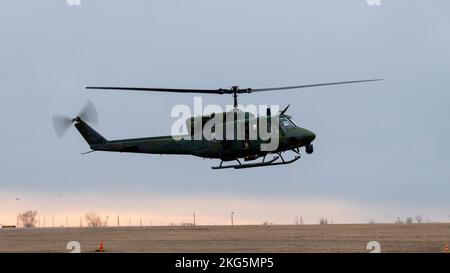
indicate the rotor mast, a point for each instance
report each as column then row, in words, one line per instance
column 235, row 90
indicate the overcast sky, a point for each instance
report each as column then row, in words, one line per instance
column 381, row 146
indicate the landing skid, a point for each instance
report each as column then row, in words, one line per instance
column 254, row 165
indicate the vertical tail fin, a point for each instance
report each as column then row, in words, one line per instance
column 90, row 135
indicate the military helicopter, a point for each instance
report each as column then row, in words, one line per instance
column 290, row 136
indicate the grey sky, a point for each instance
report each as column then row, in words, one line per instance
column 384, row 142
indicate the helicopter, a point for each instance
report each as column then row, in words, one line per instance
column 290, row 137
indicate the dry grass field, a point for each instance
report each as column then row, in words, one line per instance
column 294, row 238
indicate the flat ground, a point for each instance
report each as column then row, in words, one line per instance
column 298, row 238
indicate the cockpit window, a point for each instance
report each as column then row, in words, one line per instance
column 286, row 123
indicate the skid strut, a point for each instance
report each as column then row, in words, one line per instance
column 260, row 164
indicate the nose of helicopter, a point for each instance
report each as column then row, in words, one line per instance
column 301, row 136
column 307, row 136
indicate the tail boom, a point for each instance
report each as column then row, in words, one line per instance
column 91, row 136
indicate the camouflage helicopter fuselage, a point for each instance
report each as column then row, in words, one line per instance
column 290, row 137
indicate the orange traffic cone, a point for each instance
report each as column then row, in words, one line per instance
column 100, row 247
column 446, row 248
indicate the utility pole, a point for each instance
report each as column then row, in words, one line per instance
column 140, row 222
column 118, row 220
column 194, row 218
column 232, row 218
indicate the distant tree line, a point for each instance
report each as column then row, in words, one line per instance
column 28, row 218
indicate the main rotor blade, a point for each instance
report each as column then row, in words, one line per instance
column 176, row 90
column 221, row 90
column 250, row 90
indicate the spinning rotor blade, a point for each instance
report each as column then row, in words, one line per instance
column 176, row 90
column 62, row 123
column 233, row 90
column 89, row 113
column 251, row 90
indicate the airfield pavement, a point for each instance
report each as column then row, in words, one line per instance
column 271, row 238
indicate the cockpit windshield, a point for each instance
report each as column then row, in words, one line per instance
column 286, row 123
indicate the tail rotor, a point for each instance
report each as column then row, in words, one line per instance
column 62, row 123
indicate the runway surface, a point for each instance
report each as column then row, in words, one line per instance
column 275, row 238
